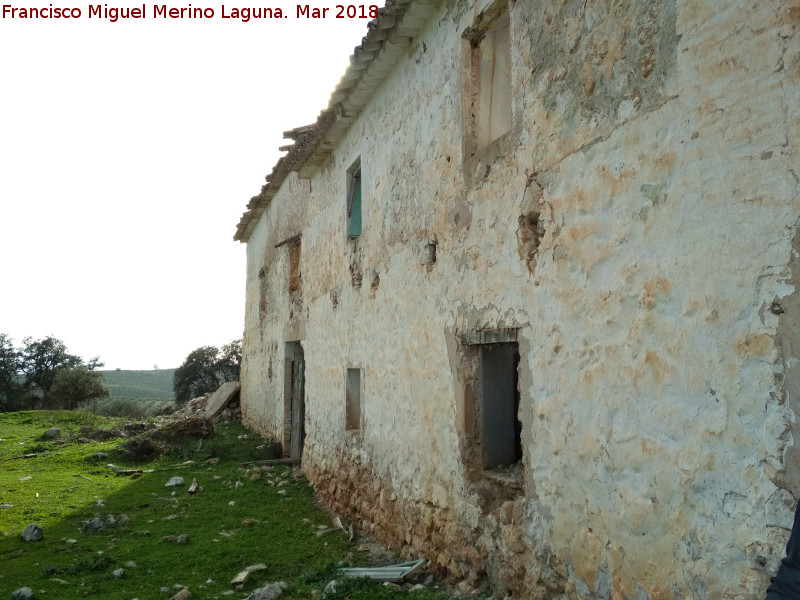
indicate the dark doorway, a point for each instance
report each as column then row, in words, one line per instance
column 501, row 429
column 294, row 405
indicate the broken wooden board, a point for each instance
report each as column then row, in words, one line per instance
column 393, row 573
column 220, row 399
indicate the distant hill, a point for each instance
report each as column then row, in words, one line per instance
column 140, row 385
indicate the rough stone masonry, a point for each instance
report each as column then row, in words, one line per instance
column 524, row 297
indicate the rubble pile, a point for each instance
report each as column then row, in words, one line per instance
column 222, row 405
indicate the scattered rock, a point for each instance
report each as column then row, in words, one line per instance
column 23, row 593
column 249, row 522
column 111, row 521
column 117, row 573
column 416, row 588
column 164, row 590
column 258, row 567
column 182, row 539
column 241, row 578
column 26, row 478
column 255, row 476
column 238, row 484
column 271, row 591
column 122, row 520
column 130, row 564
column 194, row 488
column 32, row 533
column 283, row 493
column 71, row 541
column 182, row 595
column 330, row 589
column 93, row 526
column 3, row 506
column 394, row 586
column 175, row 482
column 52, row 434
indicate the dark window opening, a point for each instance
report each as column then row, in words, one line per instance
column 353, row 401
column 500, row 425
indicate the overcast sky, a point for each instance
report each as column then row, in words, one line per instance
column 128, row 152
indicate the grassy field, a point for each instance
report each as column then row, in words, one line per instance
column 242, row 516
column 136, row 393
column 140, row 385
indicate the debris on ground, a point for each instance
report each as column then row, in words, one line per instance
column 389, row 573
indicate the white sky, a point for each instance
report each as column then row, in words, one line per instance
column 128, row 152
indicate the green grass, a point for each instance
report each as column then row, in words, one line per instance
column 59, row 497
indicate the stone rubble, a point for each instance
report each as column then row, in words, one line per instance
column 271, row 591
column 197, row 408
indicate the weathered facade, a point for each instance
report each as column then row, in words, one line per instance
column 524, row 296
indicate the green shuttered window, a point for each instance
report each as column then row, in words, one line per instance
column 354, row 202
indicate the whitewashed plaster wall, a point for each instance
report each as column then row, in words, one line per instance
column 655, row 144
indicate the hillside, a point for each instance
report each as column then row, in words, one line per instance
column 140, row 385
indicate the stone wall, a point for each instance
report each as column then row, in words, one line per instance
column 633, row 230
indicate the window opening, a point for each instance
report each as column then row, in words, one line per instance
column 353, row 401
column 500, row 426
column 354, row 200
column 491, row 82
column 294, row 266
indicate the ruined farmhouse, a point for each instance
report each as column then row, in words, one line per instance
column 523, row 298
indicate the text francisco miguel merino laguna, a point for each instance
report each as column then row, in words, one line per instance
column 113, row 14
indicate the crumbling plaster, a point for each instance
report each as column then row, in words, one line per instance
column 635, row 226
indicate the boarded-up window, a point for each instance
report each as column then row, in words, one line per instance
column 354, row 200
column 491, row 78
column 294, row 266
column 353, row 400
column 262, row 292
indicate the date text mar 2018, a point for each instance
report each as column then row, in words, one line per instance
column 340, row 11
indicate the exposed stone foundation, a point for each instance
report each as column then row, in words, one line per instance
column 492, row 546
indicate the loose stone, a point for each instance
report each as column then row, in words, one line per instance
column 93, row 526
column 32, row 533
column 23, row 593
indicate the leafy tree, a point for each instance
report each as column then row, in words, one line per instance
column 72, row 386
column 27, row 374
column 205, row 369
column 11, row 388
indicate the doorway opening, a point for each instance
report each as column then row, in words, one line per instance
column 294, row 406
